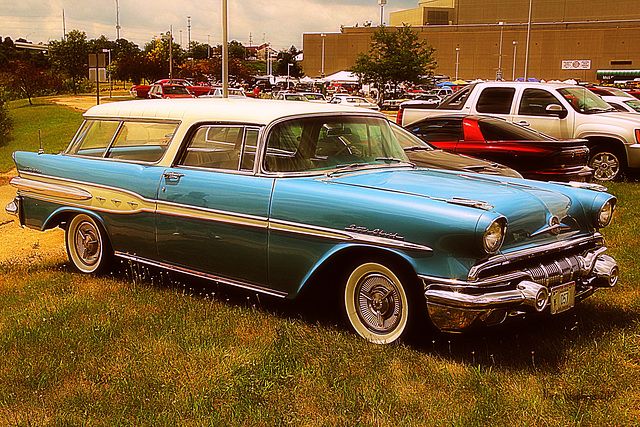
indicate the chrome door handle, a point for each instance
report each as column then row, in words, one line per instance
column 172, row 176
column 523, row 123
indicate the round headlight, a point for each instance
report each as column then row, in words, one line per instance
column 494, row 235
column 606, row 213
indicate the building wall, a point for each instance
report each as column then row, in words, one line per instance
column 612, row 41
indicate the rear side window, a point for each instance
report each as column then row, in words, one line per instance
column 438, row 130
column 123, row 140
column 496, row 100
column 221, row 147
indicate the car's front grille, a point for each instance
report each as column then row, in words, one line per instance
column 555, row 272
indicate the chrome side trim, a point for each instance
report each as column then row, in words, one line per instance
column 140, row 204
column 343, row 236
column 55, row 190
column 184, row 270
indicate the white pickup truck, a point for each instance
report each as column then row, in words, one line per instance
column 559, row 110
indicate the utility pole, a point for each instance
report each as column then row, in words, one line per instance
column 189, row 35
column 117, row 21
column 526, row 56
column 64, row 27
column 225, row 51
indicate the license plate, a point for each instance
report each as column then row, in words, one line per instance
column 563, row 297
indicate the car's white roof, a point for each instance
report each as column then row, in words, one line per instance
column 256, row 111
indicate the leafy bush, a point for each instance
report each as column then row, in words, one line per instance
column 5, row 120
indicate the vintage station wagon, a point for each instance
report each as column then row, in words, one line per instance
column 277, row 197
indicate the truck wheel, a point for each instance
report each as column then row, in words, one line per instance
column 378, row 304
column 88, row 246
column 605, row 164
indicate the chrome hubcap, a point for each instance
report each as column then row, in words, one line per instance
column 87, row 243
column 378, row 304
column 605, row 166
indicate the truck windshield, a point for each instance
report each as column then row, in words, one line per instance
column 584, row 101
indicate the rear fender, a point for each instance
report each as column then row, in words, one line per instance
column 61, row 216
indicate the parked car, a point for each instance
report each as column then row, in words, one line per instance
column 314, row 97
column 300, row 195
column 560, row 110
column 534, row 155
column 290, row 96
column 142, row 91
column 169, row 91
column 426, row 155
column 624, row 104
column 355, row 101
column 608, row 91
column 216, row 92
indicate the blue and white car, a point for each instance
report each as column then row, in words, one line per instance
column 280, row 197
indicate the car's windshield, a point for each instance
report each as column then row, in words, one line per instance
column 314, row 96
column 175, row 90
column 330, row 142
column 633, row 103
column 584, row 101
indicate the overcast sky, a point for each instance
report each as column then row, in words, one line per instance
column 281, row 22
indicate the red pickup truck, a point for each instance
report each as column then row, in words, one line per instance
column 142, row 91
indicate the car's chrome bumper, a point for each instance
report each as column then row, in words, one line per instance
column 455, row 307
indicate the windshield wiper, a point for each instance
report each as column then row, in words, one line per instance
column 347, row 166
column 389, row 159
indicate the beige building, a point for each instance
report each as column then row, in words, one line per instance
column 580, row 39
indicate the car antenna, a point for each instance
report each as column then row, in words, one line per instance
column 40, row 150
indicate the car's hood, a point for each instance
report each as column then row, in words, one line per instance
column 438, row 159
column 527, row 207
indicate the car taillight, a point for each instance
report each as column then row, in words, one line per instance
column 401, row 113
column 638, row 136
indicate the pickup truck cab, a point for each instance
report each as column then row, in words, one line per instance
column 559, row 110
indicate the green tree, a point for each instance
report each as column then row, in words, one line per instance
column 286, row 57
column 69, row 57
column 395, row 56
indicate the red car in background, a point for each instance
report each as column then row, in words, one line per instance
column 169, row 91
column 142, row 91
column 534, row 155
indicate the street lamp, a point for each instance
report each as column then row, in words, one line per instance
column 457, row 60
column 499, row 73
column 382, row 3
column 526, row 56
column 109, row 70
column 322, row 62
column 170, row 38
column 515, row 45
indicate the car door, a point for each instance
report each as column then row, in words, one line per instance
column 212, row 209
column 532, row 112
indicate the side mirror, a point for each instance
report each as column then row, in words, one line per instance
column 556, row 110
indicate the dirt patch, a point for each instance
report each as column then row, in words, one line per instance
column 24, row 245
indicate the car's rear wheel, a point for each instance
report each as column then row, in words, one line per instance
column 88, row 247
column 606, row 165
column 377, row 303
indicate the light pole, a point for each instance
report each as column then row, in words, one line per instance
column 515, row 45
column 117, row 21
column 288, row 73
column 322, row 62
column 170, row 38
column 457, row 60
column 526, row 55
column 208, row 46
column 225, row 51
column 499, row 73
column 109, row 70
column 382, row 3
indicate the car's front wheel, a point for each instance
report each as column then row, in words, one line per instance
column 606, row 165
column 377, row 303
column 88, row 247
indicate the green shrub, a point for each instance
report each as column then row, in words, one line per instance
column 5, row 120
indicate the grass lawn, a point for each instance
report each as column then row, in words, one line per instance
column 56, row 124
column 145, row 348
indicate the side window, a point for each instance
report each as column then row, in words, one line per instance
column 249, row 150
column 217, row 147
column 496, row 100
column 438, row 130
column 457, row 100
column 141, row 141
column 535, row 101
column 93, row 138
